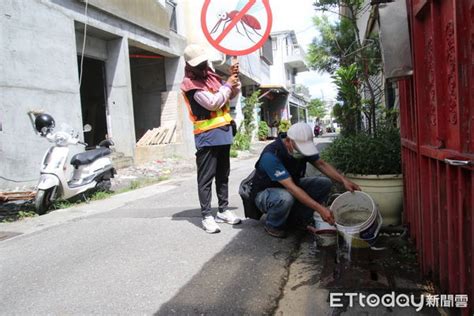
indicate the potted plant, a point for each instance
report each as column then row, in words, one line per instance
column 374, row 163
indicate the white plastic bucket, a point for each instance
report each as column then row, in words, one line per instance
column 326, row 234
column 359, row 234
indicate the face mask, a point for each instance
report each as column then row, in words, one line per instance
column 296, row 154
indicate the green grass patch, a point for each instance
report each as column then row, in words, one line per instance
column 26, row 214
column 60, row 204
column 26, row 211
column 101, row 195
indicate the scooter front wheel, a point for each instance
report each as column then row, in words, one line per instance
column 103, row 186
column 43, row 201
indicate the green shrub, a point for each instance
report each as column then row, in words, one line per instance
column 263, row 130
column 233, row 153
column 248, row 110
column 241, row 141
column 366, row 154
column 284, row 126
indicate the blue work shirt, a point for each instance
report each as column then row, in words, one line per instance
column 274, row 168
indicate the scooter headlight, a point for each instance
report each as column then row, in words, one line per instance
column 60, row 139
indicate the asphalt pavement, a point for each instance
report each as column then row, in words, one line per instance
column 143, row 252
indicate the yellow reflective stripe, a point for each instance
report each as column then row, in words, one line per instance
column 205, row 125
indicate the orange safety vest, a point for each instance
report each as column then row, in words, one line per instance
column 218, row 118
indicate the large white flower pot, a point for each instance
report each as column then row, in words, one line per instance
column 387, row 192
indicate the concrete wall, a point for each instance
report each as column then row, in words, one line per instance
column 278, row 71
column 121, row 126
column 39, row 71
column 174, row 73
column 94, row 48
column 148, row 82
column 149, row 14
column 282, row 73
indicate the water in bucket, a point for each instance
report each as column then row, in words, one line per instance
column 354, row 217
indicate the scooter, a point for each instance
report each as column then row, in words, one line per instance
column 93, row 169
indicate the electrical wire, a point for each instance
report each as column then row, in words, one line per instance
column 83, row 43
column 17, row 181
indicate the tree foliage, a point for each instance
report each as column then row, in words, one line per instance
column 317, row 108
column 302, row 89
column 334, row 46
column 348, row 114
column 340, row 51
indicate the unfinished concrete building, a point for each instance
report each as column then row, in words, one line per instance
column 113, row 64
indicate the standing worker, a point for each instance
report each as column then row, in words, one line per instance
column 207, row 98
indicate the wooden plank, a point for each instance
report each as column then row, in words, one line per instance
column 162, row 136
column 146, row 138
column 169, row 137
column 141, row 142
column 17, row 196
column 156, row 133
column 155, row 137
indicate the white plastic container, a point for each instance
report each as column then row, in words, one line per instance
column 326, row 234
column 358, row 233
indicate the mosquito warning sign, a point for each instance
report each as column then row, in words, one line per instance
column 236, row 27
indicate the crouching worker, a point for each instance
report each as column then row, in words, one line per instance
column 279, row 188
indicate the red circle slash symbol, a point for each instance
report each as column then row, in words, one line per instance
column 233, row 19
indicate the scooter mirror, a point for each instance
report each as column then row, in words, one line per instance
column 87, row 128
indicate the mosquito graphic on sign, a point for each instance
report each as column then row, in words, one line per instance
column 236, row 27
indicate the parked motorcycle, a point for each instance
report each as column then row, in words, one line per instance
column 317, row 130
column 93, row 169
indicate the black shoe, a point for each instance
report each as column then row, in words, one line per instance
column 275, row 232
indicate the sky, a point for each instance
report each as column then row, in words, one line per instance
column 297, row 15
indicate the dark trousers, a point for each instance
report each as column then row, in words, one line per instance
column 284, row 210
column 213, row 162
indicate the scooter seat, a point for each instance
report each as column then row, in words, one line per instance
column 89, row 156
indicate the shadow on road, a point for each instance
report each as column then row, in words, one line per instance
column 194, row 216
column 246, row 277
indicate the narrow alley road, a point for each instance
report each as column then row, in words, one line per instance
column 142, row 252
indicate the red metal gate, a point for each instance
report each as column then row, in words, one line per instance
column 437, row 123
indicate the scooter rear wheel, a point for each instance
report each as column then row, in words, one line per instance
column 43, row 201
